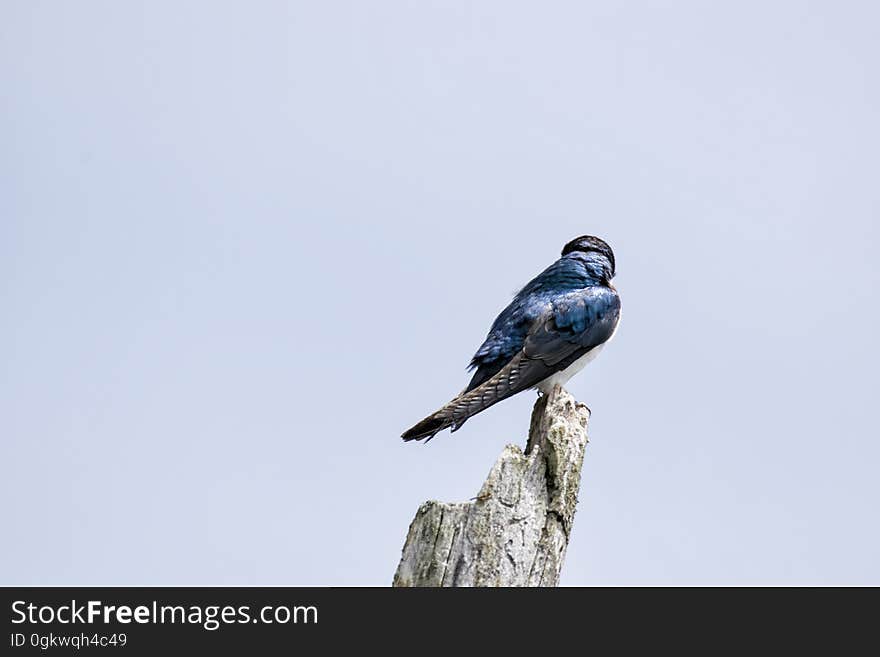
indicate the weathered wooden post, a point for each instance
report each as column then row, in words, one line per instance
column 516, row 531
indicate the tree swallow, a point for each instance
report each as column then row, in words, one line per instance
column 553, row 327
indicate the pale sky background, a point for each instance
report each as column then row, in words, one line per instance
column 244, row 245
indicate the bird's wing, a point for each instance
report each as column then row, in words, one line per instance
column 573, row 324
column 505, row 339
column 578, row 322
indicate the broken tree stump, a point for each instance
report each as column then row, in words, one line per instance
column 516, row 531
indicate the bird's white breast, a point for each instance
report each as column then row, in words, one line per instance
column 561, row 377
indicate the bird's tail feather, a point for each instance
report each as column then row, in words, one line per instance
column 454, row 414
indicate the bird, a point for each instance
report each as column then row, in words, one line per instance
column 554, row 326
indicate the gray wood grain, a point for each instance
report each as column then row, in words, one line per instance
column 516, row 531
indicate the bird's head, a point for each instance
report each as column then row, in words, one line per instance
column 598, row 253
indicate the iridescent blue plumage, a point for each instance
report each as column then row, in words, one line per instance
column 558, row 318
column 576, row 272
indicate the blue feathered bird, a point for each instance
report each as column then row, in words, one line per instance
column 553, row 327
